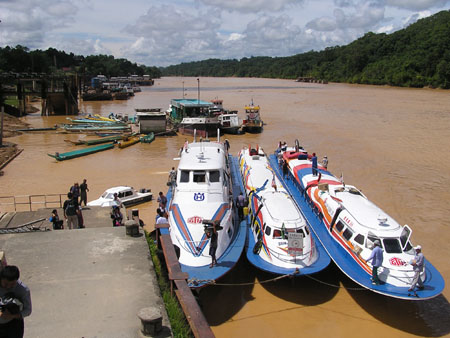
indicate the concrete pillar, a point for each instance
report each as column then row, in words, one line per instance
column 132, row 228
column 151, row 321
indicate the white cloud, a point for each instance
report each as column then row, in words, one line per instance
column 252, row 5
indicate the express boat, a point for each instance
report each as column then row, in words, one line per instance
column 348, row 224
column 203, row 195
column 279, row 239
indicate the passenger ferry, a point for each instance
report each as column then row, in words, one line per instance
column 348, row 223
column 203, row 195
column 279, row 239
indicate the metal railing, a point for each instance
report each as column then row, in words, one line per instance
column 31, row 202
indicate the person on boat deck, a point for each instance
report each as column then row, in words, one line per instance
column 285, row 169
column 213, row 236
column 377, row 260
column 11, row 315
column 325, row 162
column 240, row 202
column 314, row 164
column 162, row 200
column 173, row 177
column 116, row 201
column 418, row 264
column 83, row 192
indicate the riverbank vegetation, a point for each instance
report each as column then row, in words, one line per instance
column 51, row 61
column 416, row 56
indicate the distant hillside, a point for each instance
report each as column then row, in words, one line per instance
column 416, row 56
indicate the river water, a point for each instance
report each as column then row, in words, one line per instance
column 392, row 143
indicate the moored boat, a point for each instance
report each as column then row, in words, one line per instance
column 279, row 239
column 129, row 141
column 104, row 139
column 149, row 138
column 252, row 122
column 81, row 152
column 229, row 122
column 202, row 196
column 348, row 224
column 127, row 195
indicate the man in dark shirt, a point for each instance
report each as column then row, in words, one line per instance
column 83, row 192
column 70, row 208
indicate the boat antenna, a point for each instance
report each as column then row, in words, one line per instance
column 218, row 135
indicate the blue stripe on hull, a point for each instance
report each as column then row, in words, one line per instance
column 434, row 283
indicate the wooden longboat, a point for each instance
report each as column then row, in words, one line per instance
column 129, row 142
column 81, row 152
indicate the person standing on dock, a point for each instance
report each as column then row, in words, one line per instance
column 70, row 208
column 418, row 264
column 16, row 299
column 75, row 190
column 377, row 260
column 162, row 200
column 83, row 192
column 314, row 164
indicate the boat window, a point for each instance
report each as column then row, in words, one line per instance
column 392, row 245
column 307, row 230
column 268, row 230
column 214, row 176
column 128, row 193
column 105, row 194
column 109, row 196
column 230, row 232
column 276, row 233
column 406, row 233
column 184, row 177
column 347, row 234
column 359, row 239
column 339, row 226
column 120, row 194
column 300, row 231
column 370, row 240
column 199, row 176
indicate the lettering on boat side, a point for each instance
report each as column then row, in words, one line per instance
column 348, row 221
column 397, row 261
column 195, row 220
column 199, row 196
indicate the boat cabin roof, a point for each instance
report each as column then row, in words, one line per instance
column 203, row 156
column 118, row 189
column 189, row 103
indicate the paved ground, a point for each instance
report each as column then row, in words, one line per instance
column 86, row 282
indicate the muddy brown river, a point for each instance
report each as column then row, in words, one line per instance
column 392, row 143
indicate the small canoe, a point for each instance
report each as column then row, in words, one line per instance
column 83, row 128
column 37, row 129
column 81, row 152
column 104, row 140
column 129, row 142
column 95, row 122
column 147, row 138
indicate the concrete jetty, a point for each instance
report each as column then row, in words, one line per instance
column 88, row 282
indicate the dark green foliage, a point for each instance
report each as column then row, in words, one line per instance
column 50, row 61
column 416, row 56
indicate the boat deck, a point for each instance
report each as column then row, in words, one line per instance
column 434, row 283
column 202, row 276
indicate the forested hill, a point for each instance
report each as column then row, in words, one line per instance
column 20, row 59
column 416, row 56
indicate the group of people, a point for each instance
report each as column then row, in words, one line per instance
column 418, row 264
column 72, row 209
column 161, row 211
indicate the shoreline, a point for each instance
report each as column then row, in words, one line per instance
column 9, row 151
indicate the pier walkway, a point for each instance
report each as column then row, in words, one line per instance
column 88, row 282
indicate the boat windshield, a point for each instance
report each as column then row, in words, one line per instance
column 392, row 245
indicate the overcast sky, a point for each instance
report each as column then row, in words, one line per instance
column 165, row 32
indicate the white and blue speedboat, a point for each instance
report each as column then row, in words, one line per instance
column 279, row 239
column 204, row 194
column 347, row 223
